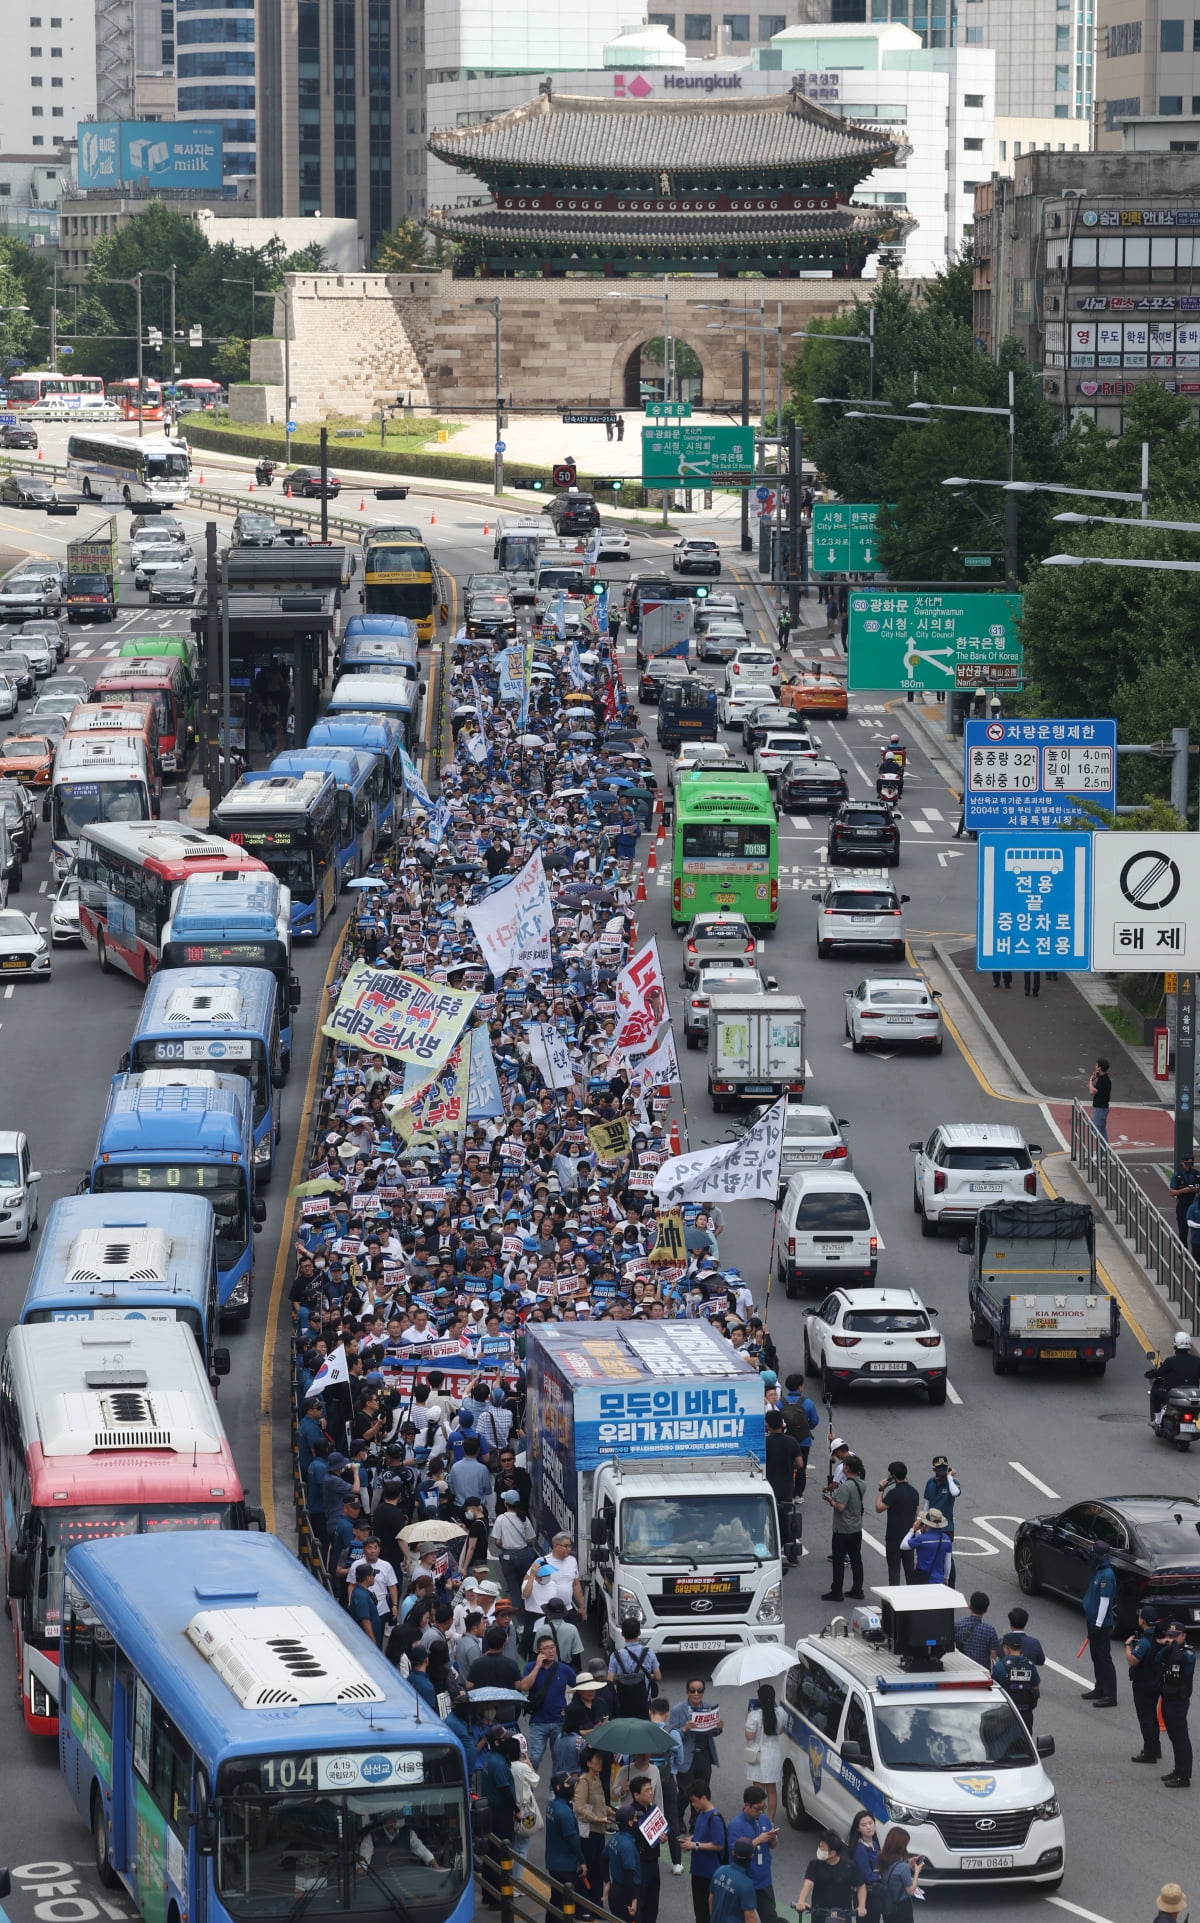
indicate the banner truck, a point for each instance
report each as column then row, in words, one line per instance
column 650, row 1452
column 93, row 576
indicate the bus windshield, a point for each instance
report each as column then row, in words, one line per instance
column 224, row 1187
column 167, row 467
column 721, row 840
column 61, row 1529
column 366, row 1852
column 77, row 804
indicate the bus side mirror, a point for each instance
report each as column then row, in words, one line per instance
column 258, row 1211
column 220, row 1362
column 18, row 1574
column 965, row 1245
column 598, row 1533
column 123, row 1064
column 294, row 993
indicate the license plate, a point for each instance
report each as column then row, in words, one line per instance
column 986, row 1863
column 1059, row 1355
column 886, row 1368
column 863, row 918
column 15, row 962
column 758, row 1088
column 987, row 1188
column 696, row 1647
column 897, row 1021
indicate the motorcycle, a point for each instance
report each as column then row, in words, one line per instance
column 264, row 473
column 1174, row 1413
column 889, row 783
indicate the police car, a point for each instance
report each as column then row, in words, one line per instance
column 880, row 1712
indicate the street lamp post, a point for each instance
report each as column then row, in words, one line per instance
column 1008, row 414
column 136, row 284
column 866, row 340
column 495, row 310
column 167, row 274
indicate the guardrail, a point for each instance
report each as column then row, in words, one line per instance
column 527, row 1895
column 1155, row 1238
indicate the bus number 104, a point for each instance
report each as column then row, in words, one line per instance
column 288, row 1772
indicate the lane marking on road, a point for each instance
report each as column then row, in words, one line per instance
column 922, row 827
column 8, row 993
column 41, row 888
column 1036, row 1481
column 802, row 823
column 1072, row 1676
column 1060, row 1903
column 933, row 814
column 952, row 1394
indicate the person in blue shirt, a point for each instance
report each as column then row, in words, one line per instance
column 545, row 1683
column 1018, row 1623
column 943, row 1490
column 1019, row 1676
column 802, row 1419
column 755, row 1827
column 362, row 1604
column 1099, row 1603
column 309, row 1431
column 708, row 1845
column 564, row 1845
column 1141, row 1656
column 624, row 1866
column 734, row 1897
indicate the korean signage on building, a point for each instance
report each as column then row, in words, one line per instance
column 172, row 154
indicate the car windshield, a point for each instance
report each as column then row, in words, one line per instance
column 721, row 931
column 10, row 1171
column 756, row 658
column 743, row 981
column 864, row 903
column 832, row 1209
column 12, row 926
column 985, row 1158
column 17, row 749
column 754, row 693
column 902, row 995
column 780, row 744
column 802, row 1127
column 657, row 1529
column 885, row 1321
column 949, row 1736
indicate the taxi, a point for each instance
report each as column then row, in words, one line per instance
column 28, row 758
column 812, row 692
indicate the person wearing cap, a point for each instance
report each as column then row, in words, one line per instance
column 1017, row 1674
column 567, row 1639
column 839, row 1449
column 942, row 1491
column 1142, row 1657
column 1099, row 1607
column 624, row 1865
column 1176, row 1674
column 932, row 1548
column 1171, row 1905
column 564, row 1844
column 732, row 1895
column 513, row 1541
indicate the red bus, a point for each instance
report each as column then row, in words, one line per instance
column 158, row 678
column 128, row 871
column 125, row 395
column 66, row 393
column 109, row 1428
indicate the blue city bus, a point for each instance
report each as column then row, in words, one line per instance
column 241, row 1750
column 371, row 642
column 402, row 701
column 376, row 735
column 180, row 1132
column 221, row 1018
column 290, row 823
column 144, row 1258
column 245, row 922
column 357, row 801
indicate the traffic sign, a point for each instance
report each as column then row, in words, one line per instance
column 762, row 493
column 501, row 446
column 978, row 560
column 1034, row 907
column 563, row 474
column 1147, row 890
column 674, row 456
column 843, row 537
column 1033, row 774
column 290, row 426
column 938, row 642
column 596, row 419
column 668, row 410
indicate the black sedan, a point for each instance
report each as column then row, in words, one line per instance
column 864, row 832
column 491, row 614
column 802, row 785
column 1154, row 1542
column 307, row 483
column 26, row 490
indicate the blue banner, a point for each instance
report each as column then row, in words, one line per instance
column 167, row 153
column 413, row 782
column 484, row 1100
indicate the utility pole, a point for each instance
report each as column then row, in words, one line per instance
column 226, row 778
column 747, row 544
column 54, row 322
column 797, row 570
column 1012, row 559
column 210, row 663
column 324, row 481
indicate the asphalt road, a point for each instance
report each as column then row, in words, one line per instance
column 1019, row 1445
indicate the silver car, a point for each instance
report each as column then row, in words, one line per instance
column 9, row 698
column 30, row 591
column 721, row 979
column 812, row 1137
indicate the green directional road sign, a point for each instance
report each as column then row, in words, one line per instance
column 843, row 537
column 934, row 642
column 674, row 456
column 668, row 410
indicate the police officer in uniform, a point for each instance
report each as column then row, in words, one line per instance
column 1098, row 1603
column 1142, row 1654
column 1176, row 1668
column 1019, row 1676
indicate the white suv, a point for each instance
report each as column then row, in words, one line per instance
column 753, row 664
column 18, row 1189
column 967, row 1166
column 875, row 1336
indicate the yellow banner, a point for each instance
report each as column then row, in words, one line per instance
column 670, row 1246
column 611, row 1140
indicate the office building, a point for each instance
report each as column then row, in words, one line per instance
column 341, row 110
column 48, row 76
column 1148, row 63
column 215, row 79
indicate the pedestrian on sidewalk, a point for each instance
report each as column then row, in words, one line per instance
column 1185, row 1184
column 608, row 430
column 620, row 427
column 833, row 615
column 1100, row 1090
column 785, row 628
column 1033, row 981
column 1002, row 975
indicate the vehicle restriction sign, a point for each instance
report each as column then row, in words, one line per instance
column 1036, row 774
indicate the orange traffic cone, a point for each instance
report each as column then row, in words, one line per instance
column 486, row 528
column 362, row 507
column 202, row 481
column 651, row 860
column 676, row 1144
column 41, row 454
column 662, row 831
column 633, row 935
column 641, row 889
column 433, row 520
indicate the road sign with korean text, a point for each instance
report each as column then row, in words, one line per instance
column 1147, row 902
column 1034, row 774
column 1034, row 905
column 678, row 454
column 934, row 642
column 844, row 540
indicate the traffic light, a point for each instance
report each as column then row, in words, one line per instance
column 700, row 592
column 196, row 336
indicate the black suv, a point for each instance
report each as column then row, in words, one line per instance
column 252, row 529
column 18, row 434
column 306, row 482
column 491, row 614
column 865, row 830
column 573, row 513
column 802, row 785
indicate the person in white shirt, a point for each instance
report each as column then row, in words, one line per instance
column 385, row 1584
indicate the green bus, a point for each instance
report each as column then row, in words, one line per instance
column 725, row 852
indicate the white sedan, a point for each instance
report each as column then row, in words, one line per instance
column 779, row 750
column 751, row 694
column 24, row 949
column 712, row 756
column 875, row 1336
column 64, row 913
column 612, row 543
column 891, row 1010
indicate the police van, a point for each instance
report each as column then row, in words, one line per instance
column 880, row 1712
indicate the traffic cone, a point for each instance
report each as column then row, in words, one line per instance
column 662, row 831
column 486, row 528
column 633, row 934
column 250, row 489
column 202, row 481
column 41, row 454
column 651, row 860
column 641, row 889
column 676, row 1143
column 362, row 507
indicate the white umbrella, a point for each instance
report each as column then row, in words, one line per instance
column 530, row 741
column 753, row 1663
column 368, row 881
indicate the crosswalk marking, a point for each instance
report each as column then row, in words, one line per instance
column 933, row 814
column 803, row 823
column 922, row 827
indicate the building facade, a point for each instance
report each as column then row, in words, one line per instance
column 1092, row 263
column 215, row 79
column 1148, row 63
column 48, row 76
column 341, row 110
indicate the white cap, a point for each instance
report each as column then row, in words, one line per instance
column 1183, row 1341
column 839, row 1442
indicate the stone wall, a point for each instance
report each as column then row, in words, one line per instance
column 358, row 339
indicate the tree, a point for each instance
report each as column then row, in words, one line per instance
column 402, row 250
column 231, row 362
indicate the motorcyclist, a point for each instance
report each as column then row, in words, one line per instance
column 264, row 473
column 1179, row 1370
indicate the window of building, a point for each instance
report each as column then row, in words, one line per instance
column 5, row 189
column 666, row 20
column 1004, row 150
column 1196, row 36
column 1062, row 39
column 195, row 33
column 55, row 81
column 769, row 24
column 1185, row 146
column 974, row 36
column 1115, row 111
column 736, row 26
column 1062, row 80
column 1170, row 103
column 973, row 146
column 1060, row 113
column 35, row 53
column 56, row 113
column 37, row 112
column 168, row 53
column 35, row 20
column 214, row 66
column 969, row 186
column 214, row 99
column 56, row 53
column 972, row 100
column 1125, row 38
column 39, row 140
column 1170, row 36
column 697, row 26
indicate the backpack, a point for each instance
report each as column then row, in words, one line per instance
column 895, row 1900
column 795, row 1421
column 632, row 1685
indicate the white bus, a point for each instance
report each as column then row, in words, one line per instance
column 97, row 777
column 147, row 469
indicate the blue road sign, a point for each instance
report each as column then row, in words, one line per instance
column 1034, row 774
column 762, row 493
column 1035, row 901
column 290, row 426
column 501, row 446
